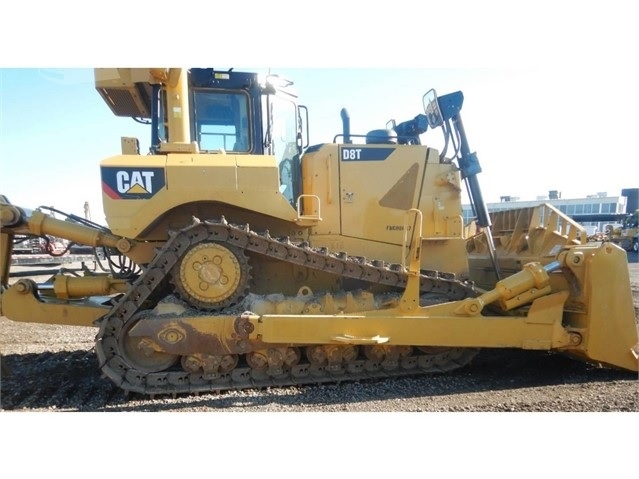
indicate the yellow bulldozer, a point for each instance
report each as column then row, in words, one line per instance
column 242, row 256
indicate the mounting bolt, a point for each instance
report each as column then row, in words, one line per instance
column 22, row 287
column 124, row 245
column 575, row 339
column 172, row 335
column 243, row 326
column 473, row 307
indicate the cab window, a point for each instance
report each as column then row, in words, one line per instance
column 220, row 120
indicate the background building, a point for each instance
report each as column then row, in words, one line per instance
column 594, row 212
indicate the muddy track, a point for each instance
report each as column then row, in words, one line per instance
column 127, row 374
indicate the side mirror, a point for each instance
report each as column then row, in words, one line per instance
column 431, row 108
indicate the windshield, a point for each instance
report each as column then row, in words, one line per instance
column 220, row 120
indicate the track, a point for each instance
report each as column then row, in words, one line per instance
column 147, row 290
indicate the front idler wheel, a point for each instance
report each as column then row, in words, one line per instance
column 143, row 353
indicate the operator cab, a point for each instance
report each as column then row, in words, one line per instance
column 203, row 110
column 244, row 113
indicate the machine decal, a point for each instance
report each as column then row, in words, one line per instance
column 361, row 153
column 131, row 183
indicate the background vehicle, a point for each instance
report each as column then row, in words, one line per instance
column 241, row 256
column 627, row 235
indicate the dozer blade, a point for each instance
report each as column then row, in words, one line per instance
column 609, row 321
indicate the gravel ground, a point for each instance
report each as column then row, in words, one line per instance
column 53, row 368
column 60, row 373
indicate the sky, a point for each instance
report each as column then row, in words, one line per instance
column 533, row 130
column 546, row 107
column 551, row 103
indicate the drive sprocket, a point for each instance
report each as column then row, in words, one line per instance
column 212, row 276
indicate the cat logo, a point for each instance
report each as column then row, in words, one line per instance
column 130, row 183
